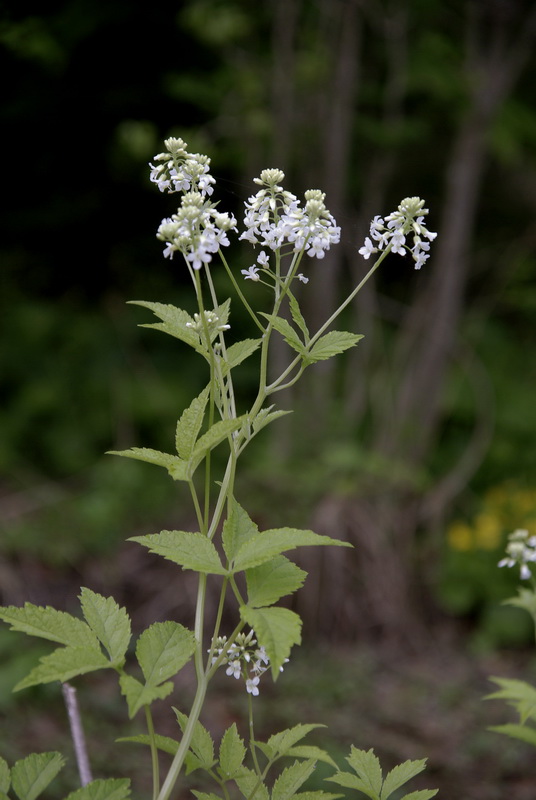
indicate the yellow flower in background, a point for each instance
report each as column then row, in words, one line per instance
column 460, row 536
column 488, row 531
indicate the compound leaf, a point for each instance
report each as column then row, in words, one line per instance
column 191, row 550
column 31, row 775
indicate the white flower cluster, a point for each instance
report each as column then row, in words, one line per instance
column 394, row 230
column 197, row 230
column 263, row 264
column 244, row 659
column 274, row 217
column 521, row 551
column 212, row 322
column 180, row 171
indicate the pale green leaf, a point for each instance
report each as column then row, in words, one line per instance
column 310, row 751
column 286, row 330
column 63, row 664
column 201, row 745
column 177, row 468
column 191, row 550
column 319, row 794
column 47, row 623
column 331, row 344
column 5, row 776
column 367, row 766
column 267, row 583
column 31, row 775
column 164, row 743
column 250, row 785
column 290, row 780
column 189, row 425
column 421, row 794
column 281, row 742
column 400, row 775
column 265, row 417
column 137, row 695
column 297, row 316
column 175, row 322
column 351, row 781
column 163, row 649
column 238, row 529
column 270, row 543
column 109, row 789
column 277, row 629
column 213, row 437
column 109, row 622
column 232, row 752
column 524, row 732
column 238, row 352
column 519, row 694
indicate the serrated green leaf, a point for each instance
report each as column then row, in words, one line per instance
column 310, row 751
column 164, row 743
column 297, row 316
column 519, row 694
column 351, row 781
column 189, row 425
column 268, row 544
column 201, row 745
column 524, row 732
column 175, row 322
column 232, row 753
column 63, row 664
column 400, row 775
column 277, row 629
column 319, row 794
column 163, row 649
column 138, row 695
column 331, row 344
column 5, row 776
column 367, row 766
column 265, row 417
column 31, row 775
column 47, row 623
column 291, row 779
column 281, row 742
column 238, row 352
column 269, row 582
column 213, row 437
column 109, row 789
column 238, row 529
column 251, row 786
column 109, row 622
column 191, row 550
column 286, row 330
column 421, row 794
column 177, row 468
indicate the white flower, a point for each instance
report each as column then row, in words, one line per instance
column 251, row 274
column 234, row 669
column 302, row 278
column 367, row 249
column 252, row 685
column 520, row 551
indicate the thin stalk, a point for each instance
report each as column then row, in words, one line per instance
column 252, row 737
column 239, row 292
column 154, row 752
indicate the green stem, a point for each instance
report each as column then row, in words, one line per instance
column 239, row 292
column 154, row 752
column 252, row 738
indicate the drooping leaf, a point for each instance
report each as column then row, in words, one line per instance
column 47, row 623
column 138, row 695
column 270, row 543
column 63, row 664
column 163, row 649
column 177, row 468
column 232, row 753
column 291, row 779
column 331, row 344
column 269, row 582
column 297, row 316
column 201, row 745
column 109, row 789
column 31, row 775
column 213, row 437
column 189, row 425
column 191, row 550
column 109, row 622
column 277, row 629
column 238, row 529
column 5, row 776
column 286, row 330
column 164, row 743
column 238, row 352
column 175, row 322
column 251, row 786
column 527, row 733
column 265, row 417
column 400, row 775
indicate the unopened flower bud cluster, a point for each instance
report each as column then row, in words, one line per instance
column 520, row 551
column 211, row 322
column 394, row 230
column 243, row 659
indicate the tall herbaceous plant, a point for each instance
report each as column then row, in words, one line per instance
column 249, row 566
